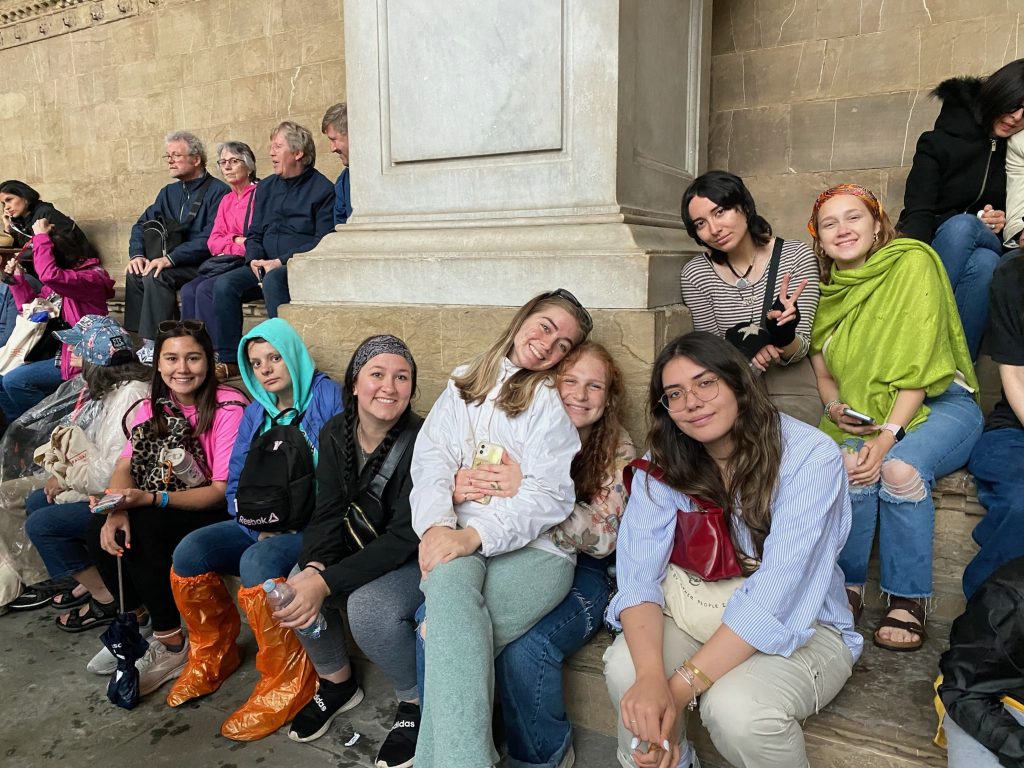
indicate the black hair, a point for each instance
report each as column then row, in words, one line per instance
column 727, row 190
column 69, row 251
column 350, row 419
column 20, row 189
column 1001, row 93
column 123, row 366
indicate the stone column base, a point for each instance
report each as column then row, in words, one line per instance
column 443, row 336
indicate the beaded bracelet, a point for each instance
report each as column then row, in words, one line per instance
column 828, row 409
column 165, row 499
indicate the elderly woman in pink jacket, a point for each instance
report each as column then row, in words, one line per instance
column 71, row 269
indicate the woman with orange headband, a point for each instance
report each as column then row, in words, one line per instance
column 900, row 396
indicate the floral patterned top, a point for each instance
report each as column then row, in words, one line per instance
column 593, row 527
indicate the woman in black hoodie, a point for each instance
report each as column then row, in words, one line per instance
column 955, row 196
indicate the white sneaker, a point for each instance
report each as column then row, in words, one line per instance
column 160, row 665
column 104, row 662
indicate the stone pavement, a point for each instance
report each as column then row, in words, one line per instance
column 55, row 713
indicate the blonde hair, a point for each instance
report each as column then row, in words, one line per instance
column 517, row 392
column 886, row 233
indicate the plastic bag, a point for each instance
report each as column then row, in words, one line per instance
column 19, row 475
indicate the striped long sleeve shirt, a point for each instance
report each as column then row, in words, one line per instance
column 799, row 581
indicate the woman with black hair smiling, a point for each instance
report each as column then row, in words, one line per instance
column 785, row 643
column 757, row 291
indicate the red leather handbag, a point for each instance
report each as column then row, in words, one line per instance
column 702, row 544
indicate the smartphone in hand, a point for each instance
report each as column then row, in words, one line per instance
column 107, row 503
column 863, row 418
column 487, row 453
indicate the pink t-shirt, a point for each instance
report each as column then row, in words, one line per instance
column 217, row 441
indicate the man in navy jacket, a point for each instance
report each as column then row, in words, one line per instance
column 294, row 208
column 335, row 127
column 151, row 285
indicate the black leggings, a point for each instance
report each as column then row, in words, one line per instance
column 146, row 566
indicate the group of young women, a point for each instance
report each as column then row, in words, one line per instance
column 470, row 550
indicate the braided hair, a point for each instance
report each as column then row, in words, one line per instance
column 350, row 421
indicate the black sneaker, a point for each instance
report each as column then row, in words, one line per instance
column 37, row 595
column 399, row 747
column 329, row 701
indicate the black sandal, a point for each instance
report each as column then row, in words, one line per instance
column 915, row 608
column 856, row 601
column 98, row 615
column 66, row 599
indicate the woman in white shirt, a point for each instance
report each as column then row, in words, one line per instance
column 490, row 571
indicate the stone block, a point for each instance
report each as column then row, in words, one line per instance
column 876, row 63
column 813, row 128
column 785, row 201
column 152, row 76
column 251, row 98
column 727, row 82
column 971, row 46
column 738, row 24
column 289, row 15
column 786, row 22
column 208, row 104
column 940, row 11
column 314, row 44
column 759, row 143
column 871, row 131
column 719, row 139
column 229, row 61
column 299, row 90
column 187, row 30
column 905, row 15
column 833, row 19
column 721, row 29
column 94, row 199
column 333, row 72
column 153, row 114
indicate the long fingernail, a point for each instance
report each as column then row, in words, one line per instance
column 634, row 743
column 665, row 745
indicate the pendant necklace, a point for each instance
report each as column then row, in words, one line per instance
column 741, row 282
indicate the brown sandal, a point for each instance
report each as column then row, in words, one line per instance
column 856, row 600
column 915, row 607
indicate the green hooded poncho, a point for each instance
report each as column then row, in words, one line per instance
column 889, row 325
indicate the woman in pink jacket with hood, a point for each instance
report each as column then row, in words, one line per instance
column 71, row 269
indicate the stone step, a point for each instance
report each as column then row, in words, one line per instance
column 883, row 717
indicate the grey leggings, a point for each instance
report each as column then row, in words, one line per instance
column 380, row 615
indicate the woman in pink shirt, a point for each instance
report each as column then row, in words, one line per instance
column 237, row 165
column 70, row 268
column 153, row 522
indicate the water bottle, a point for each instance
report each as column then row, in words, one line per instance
column 280, row 595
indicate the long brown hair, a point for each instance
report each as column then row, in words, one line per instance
column 590, row 466
column 517, row 392
column 753, row 470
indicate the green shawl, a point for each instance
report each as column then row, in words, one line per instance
column 889, row 325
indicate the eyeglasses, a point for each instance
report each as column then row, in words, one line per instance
column 170, row 326
column 229, row 162
column 175, row 156
column 704, row 390
column 584, row 314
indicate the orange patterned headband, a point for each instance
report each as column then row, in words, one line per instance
column 856, row 190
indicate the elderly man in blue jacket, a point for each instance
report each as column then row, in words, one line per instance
column 188, row 204
column 294, row 208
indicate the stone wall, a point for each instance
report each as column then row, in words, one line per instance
column 92, row 86
column 807, row 93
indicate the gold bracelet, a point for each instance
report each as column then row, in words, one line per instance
column 700, row 675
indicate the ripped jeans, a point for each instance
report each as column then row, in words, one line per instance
column 529, row 670
column 904, row 512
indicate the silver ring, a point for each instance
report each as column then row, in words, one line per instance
column 495, row 487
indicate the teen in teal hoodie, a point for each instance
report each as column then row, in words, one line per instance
column 280, row 374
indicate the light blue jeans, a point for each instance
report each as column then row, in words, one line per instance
column 970, row 252
column 905, row 527
column 963, row 751
column 227, row 547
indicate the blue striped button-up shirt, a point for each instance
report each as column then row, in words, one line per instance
column 799, row 581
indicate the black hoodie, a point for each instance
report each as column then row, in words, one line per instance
column 959, row 166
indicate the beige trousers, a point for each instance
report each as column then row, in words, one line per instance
column 754, row 711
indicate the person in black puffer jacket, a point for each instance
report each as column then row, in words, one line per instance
column 982, row 686
column 955, row 196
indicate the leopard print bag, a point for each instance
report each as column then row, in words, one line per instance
column 149, row 471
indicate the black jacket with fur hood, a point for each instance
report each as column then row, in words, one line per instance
column 959, row 166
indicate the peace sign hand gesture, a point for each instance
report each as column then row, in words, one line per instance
column 784, row 316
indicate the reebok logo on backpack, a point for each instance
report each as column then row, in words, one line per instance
column 277, row 485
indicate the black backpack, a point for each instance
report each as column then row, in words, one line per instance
column 277, row 487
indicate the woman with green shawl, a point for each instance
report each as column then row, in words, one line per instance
column 900, row 396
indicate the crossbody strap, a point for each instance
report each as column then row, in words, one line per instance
column 248, row 213
column 387, row 469
column 193, row 209
column 773, row 273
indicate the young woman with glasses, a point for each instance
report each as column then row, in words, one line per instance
column 786, row 643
